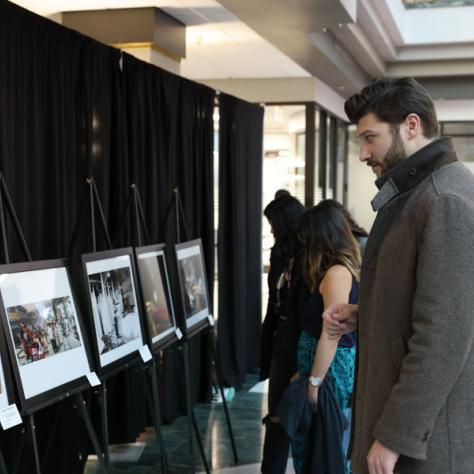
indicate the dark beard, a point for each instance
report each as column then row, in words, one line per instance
column 396, row 152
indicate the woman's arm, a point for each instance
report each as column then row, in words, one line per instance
column 335, row 288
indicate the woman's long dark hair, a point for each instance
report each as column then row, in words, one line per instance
column 327, row 240
column 283, row 214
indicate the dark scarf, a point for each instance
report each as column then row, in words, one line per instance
column 410, row 172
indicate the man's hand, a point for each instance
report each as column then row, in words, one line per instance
column 381, row 460
column 340, row 319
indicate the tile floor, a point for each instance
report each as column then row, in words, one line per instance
column 246, row 410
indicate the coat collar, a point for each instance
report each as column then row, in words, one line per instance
column 410, row 172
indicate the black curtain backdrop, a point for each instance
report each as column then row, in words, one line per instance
column 239, row 238
column 171, row 142
column 71, row 108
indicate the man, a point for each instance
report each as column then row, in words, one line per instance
column 414, row 397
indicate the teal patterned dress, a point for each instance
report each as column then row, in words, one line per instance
column 340, row 375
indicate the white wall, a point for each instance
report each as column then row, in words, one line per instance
column 455, row 110
column 304, row 89
column 361, row 188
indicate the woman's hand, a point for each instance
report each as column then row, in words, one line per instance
column 313, row 394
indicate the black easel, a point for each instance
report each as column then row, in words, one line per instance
column 152, row 368
column 94, row 201
column 78, row 399
column 176, row 204
column 182, row 346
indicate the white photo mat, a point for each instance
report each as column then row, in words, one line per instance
column 105, row 265
column 36, row 286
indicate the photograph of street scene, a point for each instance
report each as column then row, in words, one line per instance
column 114, row 308
column 43, row 329
column 193, row 284
column 156, row 298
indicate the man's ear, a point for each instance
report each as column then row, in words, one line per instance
column 413, row 126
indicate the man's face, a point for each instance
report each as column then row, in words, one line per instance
column 381, row 146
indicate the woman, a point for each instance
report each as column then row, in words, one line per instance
column 279, row 331
column 331, row 266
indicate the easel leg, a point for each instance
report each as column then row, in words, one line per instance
column 157, row 417
column 21, row 446
column 200, row 445
column 80, row 405
column 221, row 388
column 189, row 404
column 192, row 424
column 34, row 443
column 104, row 423
column 3, row 466
column 57, row 416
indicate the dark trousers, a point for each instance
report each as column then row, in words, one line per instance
column 277, row 444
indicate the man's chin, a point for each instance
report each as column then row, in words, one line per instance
column 377, row 171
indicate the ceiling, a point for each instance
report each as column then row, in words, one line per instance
column 344, row 43
column 218, row 44
column 385, row 38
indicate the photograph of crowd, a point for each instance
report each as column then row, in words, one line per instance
column 43, row 329
column 155, row 292
column 114, row 308
column 193, row 284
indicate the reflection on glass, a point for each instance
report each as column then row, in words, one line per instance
column 458, row 128
column 318, row 190
column 464, row 147
column 340, row 160
column 284, row 160
column 437, row 3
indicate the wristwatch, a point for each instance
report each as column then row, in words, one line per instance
column 315, row 381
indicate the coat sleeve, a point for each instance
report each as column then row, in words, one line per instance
column 442, row 327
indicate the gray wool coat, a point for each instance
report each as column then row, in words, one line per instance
column 415, row 369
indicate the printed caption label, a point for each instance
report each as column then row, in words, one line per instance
column 211, row 320
column 10, row 416
column 93, row 379
column 178, row 333
column 145, row 353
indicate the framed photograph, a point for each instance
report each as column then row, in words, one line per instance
column 44, row 332
column 192, row 282
column 114, row 308
column 156, row 294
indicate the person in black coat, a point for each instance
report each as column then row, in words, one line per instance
column 280, row 329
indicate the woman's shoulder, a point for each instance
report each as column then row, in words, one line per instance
column 335, row 275
column 337, row 271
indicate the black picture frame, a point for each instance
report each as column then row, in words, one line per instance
column 109, row 362
column 7, row 383
column 46, row 365
column 195, row 313
column 158, row 338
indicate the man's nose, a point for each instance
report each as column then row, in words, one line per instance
column 364, row 154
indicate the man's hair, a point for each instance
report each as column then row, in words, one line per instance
column 391, row 101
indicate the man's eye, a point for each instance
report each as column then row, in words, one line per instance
column 369, row 138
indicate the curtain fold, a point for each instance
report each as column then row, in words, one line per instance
column 171, row 145
column 70, row 108
column 239, row 236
